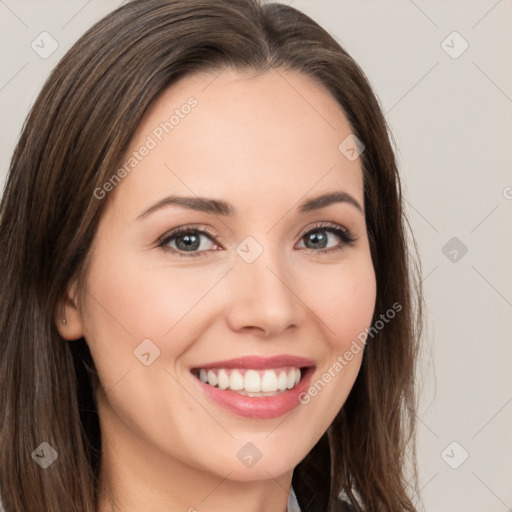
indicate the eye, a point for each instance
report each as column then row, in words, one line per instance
column 318, row 238
column 186, row 241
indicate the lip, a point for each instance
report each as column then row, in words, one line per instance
column 258, row 363
column 265, row 407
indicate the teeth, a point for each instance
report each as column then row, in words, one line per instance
column 236, row 381
column 291, row 380
column 252, row 382
column 223, row 379
column 212, row 378
column 282, row 380
column 269, row 381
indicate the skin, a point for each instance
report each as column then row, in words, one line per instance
column 264, row 142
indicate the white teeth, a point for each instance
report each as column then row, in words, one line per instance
column 282, row 380
column 269, row 381
column 223, row 379
column 290, row 382
column 252, row 382
column 269, row 393
column 212, row 378
column 236, row 381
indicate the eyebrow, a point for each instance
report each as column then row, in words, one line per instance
column 218, row 207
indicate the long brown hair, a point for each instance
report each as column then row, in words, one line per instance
column 72, row 142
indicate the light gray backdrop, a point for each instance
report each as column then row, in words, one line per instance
column 442, row 73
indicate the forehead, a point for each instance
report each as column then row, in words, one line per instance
column 243, row 136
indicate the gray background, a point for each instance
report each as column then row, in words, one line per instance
column 452, row 120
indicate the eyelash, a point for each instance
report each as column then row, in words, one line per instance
column 344, row 234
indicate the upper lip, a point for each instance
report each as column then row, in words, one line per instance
column 258, row 362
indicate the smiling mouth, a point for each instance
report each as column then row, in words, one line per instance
column 252, row 382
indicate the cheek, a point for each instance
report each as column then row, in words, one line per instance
column 129, row 301
column 345, row 305
column 344, row 300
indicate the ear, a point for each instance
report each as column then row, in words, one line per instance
column 68, row 316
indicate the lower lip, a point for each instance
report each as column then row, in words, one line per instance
column 265, row 407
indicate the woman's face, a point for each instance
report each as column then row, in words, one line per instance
column 264, row 280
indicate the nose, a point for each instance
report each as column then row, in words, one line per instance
column 262, row 296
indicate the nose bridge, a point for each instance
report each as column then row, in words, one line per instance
column 263, row 293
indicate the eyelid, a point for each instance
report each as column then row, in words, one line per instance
column 326, row 225
column 191, row 227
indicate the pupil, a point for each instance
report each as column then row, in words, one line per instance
column 190, row 241
column 315, row 238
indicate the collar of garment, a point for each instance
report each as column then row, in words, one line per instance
column 293, row 504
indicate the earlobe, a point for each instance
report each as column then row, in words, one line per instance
column 68, row 317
